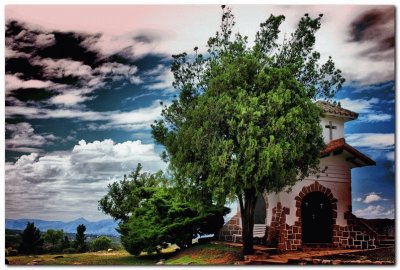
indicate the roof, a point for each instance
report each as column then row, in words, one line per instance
column 358, row 158
column 335, row 110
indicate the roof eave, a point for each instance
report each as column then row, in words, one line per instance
column 356, row 157
column 347, row 117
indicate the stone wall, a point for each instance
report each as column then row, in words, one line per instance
column 289, row 237
column 231, row 228
column 354, row 235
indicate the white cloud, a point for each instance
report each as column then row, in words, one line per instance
column 162, row 78
column 45, row 40
column 135, row 119
column 23, row 138
column 141, row 117
column 377, row 211
column 69, row 98
column 63, row 68
column 359, row 105
column 89, row 79
column 390, row 156
column 72, row 181
column 10, row 53
column 373, row 197
column 379, row 141
column 37, row 113
column 382, row 117
column 13, row 82
column 357, row 199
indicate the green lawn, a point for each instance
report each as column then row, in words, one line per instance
column 196, row 255
column 206, row 254
column 90, row 258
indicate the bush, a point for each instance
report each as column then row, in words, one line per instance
column 101, row 243
column 69, row 250
column 163, row 220
column 11, row 252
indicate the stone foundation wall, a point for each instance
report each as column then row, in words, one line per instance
column 230, row 228
column 348, row 237
column 289, row 237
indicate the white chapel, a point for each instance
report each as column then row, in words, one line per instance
column 317, row 211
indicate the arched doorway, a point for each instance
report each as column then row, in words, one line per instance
column 316, row 218
column 260, row 212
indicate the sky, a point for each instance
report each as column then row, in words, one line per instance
column 84, row 83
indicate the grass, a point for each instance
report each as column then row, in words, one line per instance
column 90, row 258
column 206, row 254
column 199, row 254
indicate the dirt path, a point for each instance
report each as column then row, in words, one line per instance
column 285, row 257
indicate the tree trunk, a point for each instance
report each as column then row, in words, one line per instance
column 247, row 215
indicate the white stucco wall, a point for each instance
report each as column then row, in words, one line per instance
column 336, row 133
column 337, row 178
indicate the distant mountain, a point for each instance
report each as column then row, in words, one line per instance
column 101, row 227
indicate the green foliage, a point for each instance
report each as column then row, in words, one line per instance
column 163, row 219
column 101, row 243
column 153, row 213
column 69, row 250
column 80, row 238
column 245, row 121
column 53, row 237
column 31, row 241
column 65, row 243
column 124, row 196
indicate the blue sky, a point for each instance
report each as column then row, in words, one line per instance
column 81, row 94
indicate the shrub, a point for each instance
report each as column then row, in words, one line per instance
column 11, row 252
column 69, row 250
column 101, row 243
column 164, row 220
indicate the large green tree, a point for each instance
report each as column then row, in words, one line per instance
column 245, row 121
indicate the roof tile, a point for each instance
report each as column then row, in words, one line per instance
column 341, row 144
column 331, row 109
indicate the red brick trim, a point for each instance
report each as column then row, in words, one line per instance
column 316, row 187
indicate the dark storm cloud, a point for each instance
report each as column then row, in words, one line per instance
column 23, row 67
column 70, row 45
column 28, row 46
column 67, row 66
column 57, row 45
column 32, row 94
column 376, row 26
column 148, row 37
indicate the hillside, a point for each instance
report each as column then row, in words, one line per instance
column 101, row 227
column 383, row 226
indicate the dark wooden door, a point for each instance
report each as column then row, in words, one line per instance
column 316, row 217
